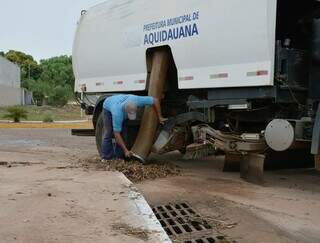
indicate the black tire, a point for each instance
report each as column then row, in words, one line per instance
column 129, row 139
column 99, row 133
column 183, row 151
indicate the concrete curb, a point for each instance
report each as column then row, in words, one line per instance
column 40, row 122
column 147, row 220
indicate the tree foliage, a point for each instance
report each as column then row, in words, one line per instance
column 51, row 80
column 57, row 75
column 58, row 70
column 29, row 67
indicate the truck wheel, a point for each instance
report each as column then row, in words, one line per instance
column 129, row 139
column 99, row 133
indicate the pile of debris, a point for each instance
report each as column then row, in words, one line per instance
column 130, row 231
column 133, row 170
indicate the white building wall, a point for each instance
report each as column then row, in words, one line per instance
column 10, row 83
column 10, row 96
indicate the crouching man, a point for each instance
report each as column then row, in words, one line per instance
column 116, row 109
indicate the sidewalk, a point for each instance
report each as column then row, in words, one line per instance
column 51, row 204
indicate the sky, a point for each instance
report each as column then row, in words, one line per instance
column 41, row 28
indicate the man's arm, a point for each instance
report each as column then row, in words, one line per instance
column 157, row 108
column 122, row 144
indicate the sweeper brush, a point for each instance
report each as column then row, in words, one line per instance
column 199, row 151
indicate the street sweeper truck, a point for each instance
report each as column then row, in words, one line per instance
column 240, row 77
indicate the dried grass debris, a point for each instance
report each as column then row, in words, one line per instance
column 133, row 170
column 131, row 231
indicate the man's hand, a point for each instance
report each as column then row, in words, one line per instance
column 162, row 120
column 157, row 108
column 128, row 154
column 122, row 144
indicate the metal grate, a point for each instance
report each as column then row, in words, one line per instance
column 182, row 222
column 204, row 240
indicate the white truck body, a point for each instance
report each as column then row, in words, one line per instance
column 214, row 43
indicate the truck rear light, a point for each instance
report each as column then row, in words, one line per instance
column 262, row 73
column 219, row 75
column 258, row 73
column 187, row 78
column 118, row 82
column 139, row 81
column 99, row 84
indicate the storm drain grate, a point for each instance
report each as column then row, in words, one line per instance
column 204, row 240
column 182, row 222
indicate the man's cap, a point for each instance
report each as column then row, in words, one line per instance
column 131, row 110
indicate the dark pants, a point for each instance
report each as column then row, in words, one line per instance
column 111, row 150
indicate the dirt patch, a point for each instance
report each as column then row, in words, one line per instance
column 133, row 170
column 16, row 164
column 130, row 231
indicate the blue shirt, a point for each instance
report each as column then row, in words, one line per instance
column 116, row 105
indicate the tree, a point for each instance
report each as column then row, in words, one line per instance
column 29, row 67
column 2, row 53
column 51, row 81
column 41, row 90
column 60, row 95
column 58, row 71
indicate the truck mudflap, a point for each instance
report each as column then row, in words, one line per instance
column 83, row 132
column 252, row 167
column 315, row 147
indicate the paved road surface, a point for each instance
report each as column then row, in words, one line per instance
column 286, row 209
column 42, row 200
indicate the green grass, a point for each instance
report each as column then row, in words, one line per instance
column 38, row 113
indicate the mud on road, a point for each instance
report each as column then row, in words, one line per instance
column 36, row 163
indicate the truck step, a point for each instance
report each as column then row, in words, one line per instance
column 83, row 132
